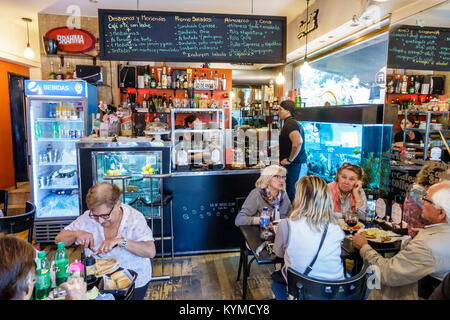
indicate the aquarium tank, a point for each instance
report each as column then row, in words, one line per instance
column 139, row 193
column 329, row 145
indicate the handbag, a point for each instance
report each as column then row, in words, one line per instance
column 277, row 276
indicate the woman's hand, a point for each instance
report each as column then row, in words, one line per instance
column 108, row 245
column 85, row 238
column 357, row 189
column 285, row 162
column 75, row 288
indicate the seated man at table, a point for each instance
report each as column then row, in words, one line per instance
column 427, row 254
column 115, row 230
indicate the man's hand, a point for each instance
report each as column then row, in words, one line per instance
column 86, row 239
column 359, row 241
column 108, row 245
column 285, row 162
column 75, row 288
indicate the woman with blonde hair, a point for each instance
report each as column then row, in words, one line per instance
column 310, row 238
column 269, row 192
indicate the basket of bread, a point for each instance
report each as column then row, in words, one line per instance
column 118, row 283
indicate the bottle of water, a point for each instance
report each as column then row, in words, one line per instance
column 265, row 218
column 370, row 210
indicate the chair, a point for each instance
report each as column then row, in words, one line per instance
column 301, row 287
column 4, row 200
column 20, row 223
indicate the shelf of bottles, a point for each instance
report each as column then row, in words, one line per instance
column 55, row 127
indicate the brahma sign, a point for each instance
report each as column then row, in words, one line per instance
column 72, row 40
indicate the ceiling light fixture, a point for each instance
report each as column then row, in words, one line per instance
column 280, row 79
column 28, row 53
column 305, row 69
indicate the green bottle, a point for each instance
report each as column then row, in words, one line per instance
column 61, row 264
column 43, row 282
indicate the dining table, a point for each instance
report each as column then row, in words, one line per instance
column 252, row 241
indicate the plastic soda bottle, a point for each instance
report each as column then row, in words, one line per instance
column 61, row 264
column 43, row 282
column 370, row 210
column 37, row 129
column 55, row 130
column 265, row 218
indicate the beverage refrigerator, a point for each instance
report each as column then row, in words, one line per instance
column 59, row 113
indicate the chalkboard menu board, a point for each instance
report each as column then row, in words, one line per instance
column 413, row 47
column 168, row 36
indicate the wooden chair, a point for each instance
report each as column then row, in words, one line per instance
column 301, row 287
column 20, row 223
column 4, row 200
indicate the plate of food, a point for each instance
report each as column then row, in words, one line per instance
column 105, row 266
column 378, row 235
column 118, row 283
column 344, row 226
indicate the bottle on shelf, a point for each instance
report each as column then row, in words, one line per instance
column 144, row 102
column 211, row 84
column 170, row 103
column 177, row 82
column 146, row 77
column 150, row 104
column 158, row 83
column 224, row 83
column 52, row 74
column 411, row 89
column 43, row 282
column 55, row 130
column 164, row 79
column 169, row 78
column 185, row 82
column 153, row 80
column 404, row 86
column 174, row 80
column 186, row 100
column 37, row 129
column 417, row 84
column 69, row 74
column 164, row 101
column 59, row 74
column 96, row 125
column 61, row 264
column 216, row 81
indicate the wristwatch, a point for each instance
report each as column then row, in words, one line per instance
column 124, row 243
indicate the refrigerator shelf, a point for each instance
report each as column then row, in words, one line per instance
column 58, row 120
column 58, row 188
column 57, row 164
column 57, row 139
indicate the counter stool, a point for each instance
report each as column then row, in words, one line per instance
column 124, row 178
column 164, row 199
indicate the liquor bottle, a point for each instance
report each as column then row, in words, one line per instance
column 144, row 102
column 174, row 81
column 185, row 82
column 52, row 74
column 146, row 77
column 224, row 82
column 169, row 78
column 164, row 101
column 170, row 102
column 158, row 83
column 59, row 74
column 411, row 89
column 178, row 82
column 417, row 84
column 216, row 81
column 164, row 79
column 211, row 83
column 151, row 105
column 153, row 80
column 186, row 100
column 69, row 74
column 404, row 86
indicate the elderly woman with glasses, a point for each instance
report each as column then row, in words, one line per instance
column 347, row 191
column 114, row 230
column 269, row 192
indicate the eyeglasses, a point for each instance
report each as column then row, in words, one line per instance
column 103, row 216
column 429, row 201
column 279, row 177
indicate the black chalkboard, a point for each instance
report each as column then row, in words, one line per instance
column 420, row 48
column 128, row 35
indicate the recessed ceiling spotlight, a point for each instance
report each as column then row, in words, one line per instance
column 93, row 1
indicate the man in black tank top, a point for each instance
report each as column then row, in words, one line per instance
column 292, row 147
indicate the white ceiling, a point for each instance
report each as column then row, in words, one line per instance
column 289, row 8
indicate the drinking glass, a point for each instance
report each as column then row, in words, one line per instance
column 351, row 219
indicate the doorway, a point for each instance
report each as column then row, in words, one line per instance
column 19, row 126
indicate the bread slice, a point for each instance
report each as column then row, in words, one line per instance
column 109, row 284
column 123, row 282
column 117, row 275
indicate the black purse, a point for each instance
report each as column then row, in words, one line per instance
column 277, row 275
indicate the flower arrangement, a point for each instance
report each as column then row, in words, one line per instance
column 109, row 116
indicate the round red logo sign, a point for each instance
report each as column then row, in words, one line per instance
column 72, row 40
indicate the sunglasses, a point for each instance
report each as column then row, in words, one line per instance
column 103, row 216
column 429, row 201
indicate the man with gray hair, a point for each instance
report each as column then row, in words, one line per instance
column 427, row 254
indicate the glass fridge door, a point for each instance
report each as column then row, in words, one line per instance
column 139, row 193
column 54, row 128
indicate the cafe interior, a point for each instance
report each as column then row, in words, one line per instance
column 181, row 142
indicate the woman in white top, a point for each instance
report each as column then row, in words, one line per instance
column 298, row 236
column 114, row 230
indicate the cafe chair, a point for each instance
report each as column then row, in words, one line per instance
column 426, row 286
column 20, row 223
column 301, row 287
column 4, row 201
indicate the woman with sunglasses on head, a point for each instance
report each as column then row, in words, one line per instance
column 114, row 230
column 269, row 192
column 347, row 191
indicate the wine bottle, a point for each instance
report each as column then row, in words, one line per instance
column 144, row 102
column 52, row 74
column 153, row 80
column 68, row 74
column 164, row 79
column 411, row 89
column 216, row 81
column 169, row 78
column 59, row 74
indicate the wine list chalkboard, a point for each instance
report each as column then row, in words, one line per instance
column 420, row 48
column 128, row 35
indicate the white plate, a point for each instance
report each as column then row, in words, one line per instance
column 394, row 236
column 344, row 226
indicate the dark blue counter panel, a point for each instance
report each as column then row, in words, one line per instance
column 204, row 209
